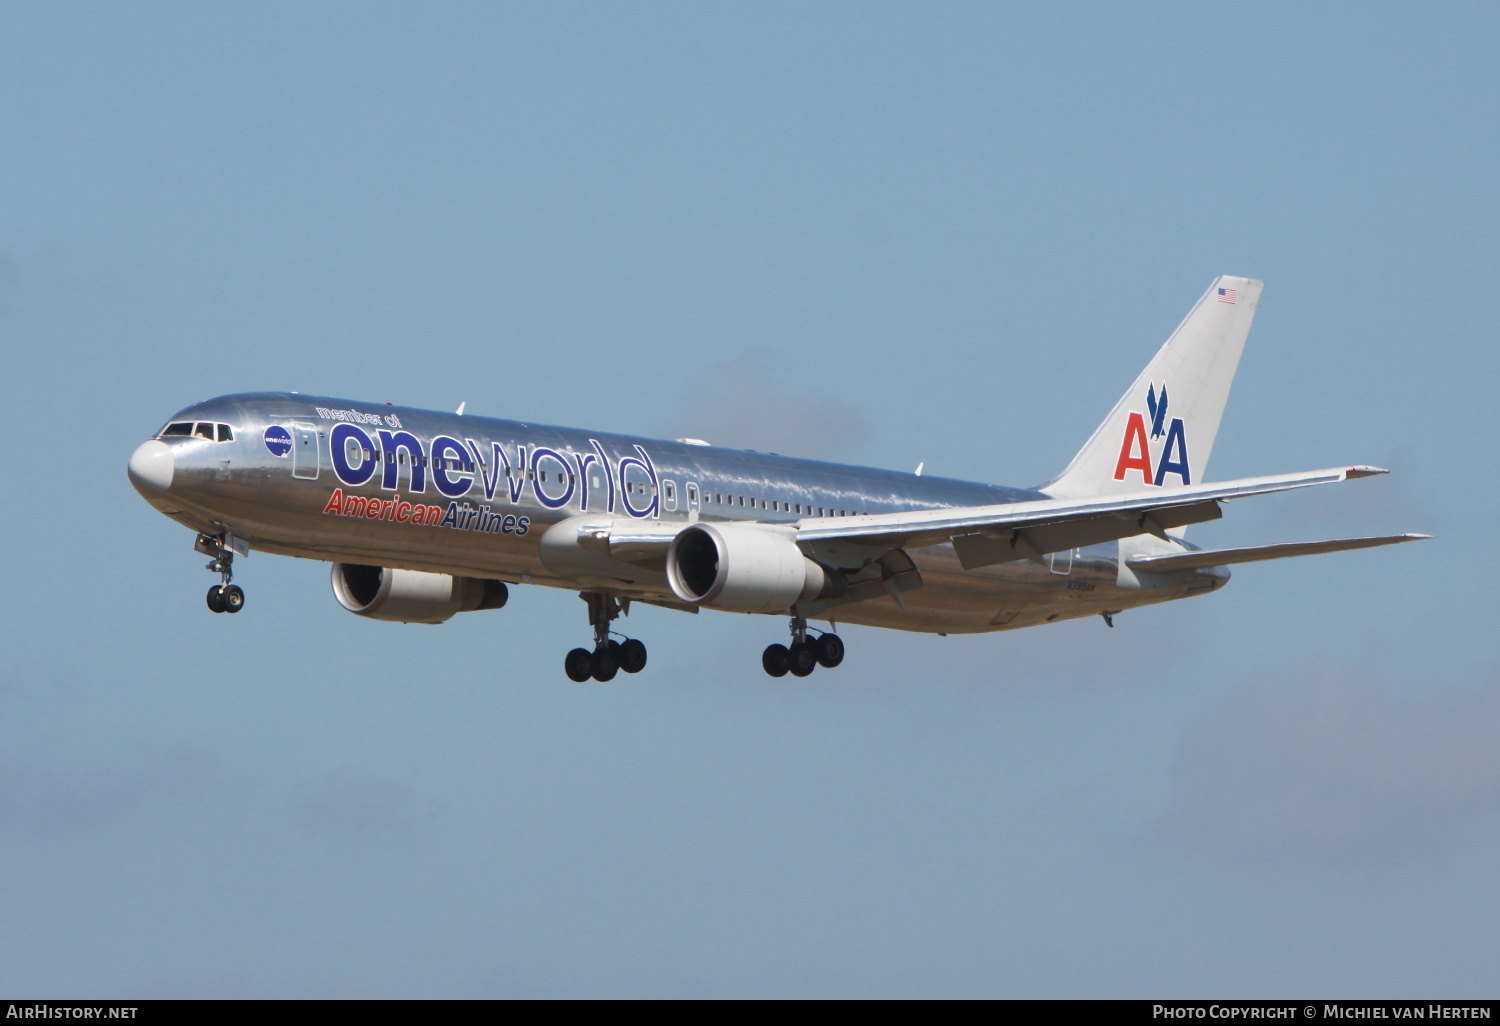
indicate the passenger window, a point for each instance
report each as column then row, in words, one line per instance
column 205, row 431
column 226, row 433
column 179, row 430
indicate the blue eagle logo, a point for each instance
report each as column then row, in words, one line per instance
column 1158, row 408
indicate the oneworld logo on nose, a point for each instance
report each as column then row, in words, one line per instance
column 278, row 440
column 1136, row 450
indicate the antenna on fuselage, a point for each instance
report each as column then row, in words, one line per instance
column 460, row 410
column 919, row 468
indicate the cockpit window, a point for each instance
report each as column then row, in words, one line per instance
column 187, row 429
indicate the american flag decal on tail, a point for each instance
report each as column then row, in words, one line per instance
column 1226, row 296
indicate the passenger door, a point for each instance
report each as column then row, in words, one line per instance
column 305, row 451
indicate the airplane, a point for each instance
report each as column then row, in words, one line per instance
column 424, row 515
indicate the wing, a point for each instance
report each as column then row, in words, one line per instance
column 983, row 535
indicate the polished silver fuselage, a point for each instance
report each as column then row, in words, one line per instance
column 479, row 507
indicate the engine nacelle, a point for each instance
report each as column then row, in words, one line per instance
column 741, row 568
column 410, row 596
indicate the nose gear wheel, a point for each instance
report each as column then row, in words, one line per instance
column 222, row 597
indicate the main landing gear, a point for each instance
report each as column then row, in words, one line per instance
column 222, row 597
column 803, row 655
column 609, row 656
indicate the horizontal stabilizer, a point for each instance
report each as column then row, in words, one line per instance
column 1222, row 557
column 1029, row 530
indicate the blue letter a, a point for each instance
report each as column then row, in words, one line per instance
column 1177, row 441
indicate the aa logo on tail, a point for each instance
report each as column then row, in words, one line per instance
column 1136, row 449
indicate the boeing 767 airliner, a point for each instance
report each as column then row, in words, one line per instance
column 424, row 515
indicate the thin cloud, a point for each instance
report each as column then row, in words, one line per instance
column 10, row 284
column 1329, row 769
column 41, row 801
column 352, row 805
column 765, row 401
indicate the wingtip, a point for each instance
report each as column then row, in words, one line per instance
column 1361, row 471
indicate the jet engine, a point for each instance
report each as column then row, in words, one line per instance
column 741, row 568
column 410, row 596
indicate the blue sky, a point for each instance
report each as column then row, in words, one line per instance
column 875, row 232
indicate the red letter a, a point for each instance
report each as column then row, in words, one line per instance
column 1133, row 452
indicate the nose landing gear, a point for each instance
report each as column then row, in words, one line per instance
column 803, row 655
column 609, row 656
column 222, row 597
column 226, row 598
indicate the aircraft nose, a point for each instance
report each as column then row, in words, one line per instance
column 151, row 467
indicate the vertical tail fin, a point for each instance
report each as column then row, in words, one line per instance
column 1162, row 430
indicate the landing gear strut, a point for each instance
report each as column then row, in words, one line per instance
column 222, row 597
column 609, row 656
column 804, row 654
